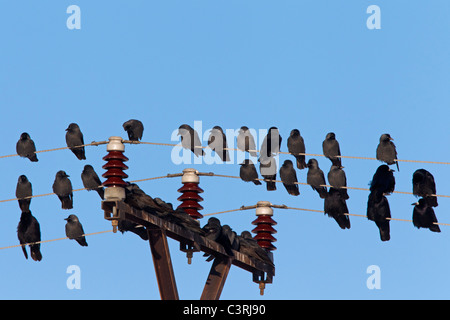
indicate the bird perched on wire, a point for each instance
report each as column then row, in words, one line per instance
column 23, row 190
column 386, row 150
column 91, row 181
column 74, row 230
column 26, row 148
column 62, row 187
column 190, row 139
column 74, row 139
column 378, row 210
column 269, row 172
column 217, row 141
column 383, row 180
column 316, row 178
column 296, row 146
column 271, row 144
column 331, row 150
column 246, row 141
column 336, row 207
column 424, row 216
column 134, row 129
column 424, row 186
column 29, row 231
column 289, row 178
column 337, row 178
column 248, row 172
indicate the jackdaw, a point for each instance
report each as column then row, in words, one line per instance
column 74, row 139
column 24, row 190
column 190, row 140
column 378, row 211
column 217, row 141
column 248, row 172
column 269, row 172
column 424, row 186
column 63, row 189
column 271, row 144
column 25, row 147
column 336, row 207
column 250, row 247
column 424, row 216
column 246, row 141
column 91, row 181
column 296, row 145
column 337, row 179
column 134, row 129
column 386, row 150
column 316, row 178
column 289, row 178
column 29, row 231
column 330, row 147
column 383, row 180
column 74, row 230
column 213, row 230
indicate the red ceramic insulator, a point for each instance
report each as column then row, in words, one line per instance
column 115, row 166
column 264, row 229
column 190, row 199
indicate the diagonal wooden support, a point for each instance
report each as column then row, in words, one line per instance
column 216, row 278
column 163, row 263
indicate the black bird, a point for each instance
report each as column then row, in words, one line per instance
column 424, row 186
column 134, row 129
column 217, row 141
column 24, row 190
column 246, row 141
column 128, row 226
column 29, row 231
column 74, row 138
column 336, row 207
column 316, row 178
column 424, row 216
column 25, row 147
column 190, row 140
column 330, row 147
column 337, row 178
column 296, row 145
column 74, row 230
column 378, row 210
column 248, row 172
column 91, row 181
column 250, row 247
column 386, row 150
column 213, row 230
column 137, row 198
column 269, row 171
column 289, row 178
column 383, row 180
column 271, row 144
column 63, row 189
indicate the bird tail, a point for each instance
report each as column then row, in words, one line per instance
column 431, row 201
column 336, row 161
column 343, row 221
column 24, row 249
column 33, row 158
column 396, row 162
column 101, row 192
column 271, row 185
column 66, row 202
column 24, row 205
column 384, row 230
column 35, row 252
column 82, row 241
column 79, row 153
column 322, row 192
column 257, row 182
column 301, row 164
column 344, row 193
column 292, row 189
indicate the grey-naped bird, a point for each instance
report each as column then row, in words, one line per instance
column 63, row 189
column 74, row 138
column 424, row 216
column 213, row 230
column 383, row 180
column 271, row 144
column 134, row 129
column 296, row 145
column 25, row 147
column 190, row 139
column 74, row 230
column 331, row 150
column 29, row 231
column 336, row 207
column 91, row 181
column 386, row 150
column 316, row 178
column 424, row 186
column 337, row 178
column 378, row 211
column 217, row 141
column 250, row 247
column 289, row 178
column 246, row 141
column 269, row 172
column 23, row 190
column 248, row 172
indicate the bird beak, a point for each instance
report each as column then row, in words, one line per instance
column 415, row 204
column 391, row 139
column 66, row 219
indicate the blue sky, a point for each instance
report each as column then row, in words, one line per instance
column 310, row 65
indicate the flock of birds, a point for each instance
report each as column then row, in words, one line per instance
column 382, row 184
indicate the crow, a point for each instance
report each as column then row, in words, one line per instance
column 25, row 147
column 29, row 232
column 296, row 145
column 74, row 139
column 424, row 186
column 134, row 129
column 386, row 150
column 316, row 178
column 24, row 190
